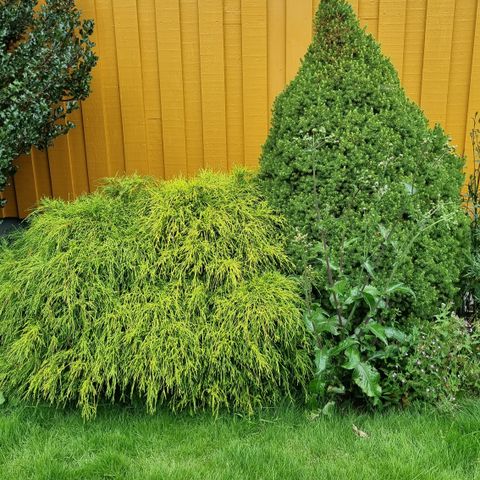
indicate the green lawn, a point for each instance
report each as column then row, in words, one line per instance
column 42, row 443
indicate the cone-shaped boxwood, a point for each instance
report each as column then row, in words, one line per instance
column 353, row 165
column 167, row 292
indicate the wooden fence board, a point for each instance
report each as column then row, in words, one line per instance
column 187, row 84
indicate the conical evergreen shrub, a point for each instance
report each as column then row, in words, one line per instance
column 354, row 166
column 158, row 292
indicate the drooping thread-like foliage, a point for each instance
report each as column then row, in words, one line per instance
column 167, row 292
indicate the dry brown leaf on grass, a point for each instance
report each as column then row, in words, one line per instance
column 358, row 432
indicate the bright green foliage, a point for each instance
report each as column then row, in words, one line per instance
column 45, row 63
column 351, row 162
column 169, row 292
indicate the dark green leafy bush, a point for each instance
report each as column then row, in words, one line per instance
column 45, row 59
column 365, row 360
column 351, row 161
column 169, row 292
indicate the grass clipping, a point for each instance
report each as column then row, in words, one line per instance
column 159, row 292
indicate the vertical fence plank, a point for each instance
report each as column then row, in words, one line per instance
column 41, row 171
column 10, row 209
column 131, row 86
column 355, row 4
column 368, row 11
column 210, row 14
column 233, row 82
column 171, row 87
column 276, row 49
column 460, row 70
column 255, row 77
column 413, row 49
column 391, row 30
column 93, row 109
column 32, row 181
column 60, row 169
column 61, row 160
column 77, row 155
column 25, row 185
column 474, row 92
column 192, row 85
column 108, row 68
column 151, row 89
column 436, row 59
column 298, row 33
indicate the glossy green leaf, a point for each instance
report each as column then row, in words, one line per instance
column 353, row 357
column 329, row 325
column 378, row 330
column 395, row 334
column 368, row 267
column 341, row 287
column 354, row 296
column 343, row 345
column 368, row 379
column 399, row 288
column 322, row 357
column 307, row 318
column 372, row 297
column 318, row 321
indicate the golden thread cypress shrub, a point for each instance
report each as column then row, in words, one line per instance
column 167, row 292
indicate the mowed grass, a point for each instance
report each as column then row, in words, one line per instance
column 43, row 443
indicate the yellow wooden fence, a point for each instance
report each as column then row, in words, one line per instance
column 187, row 84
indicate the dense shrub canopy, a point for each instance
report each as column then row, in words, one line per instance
column 352, row 163
column 46, row 59
column 169, row 292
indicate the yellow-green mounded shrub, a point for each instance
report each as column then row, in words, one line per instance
column 163, row 292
